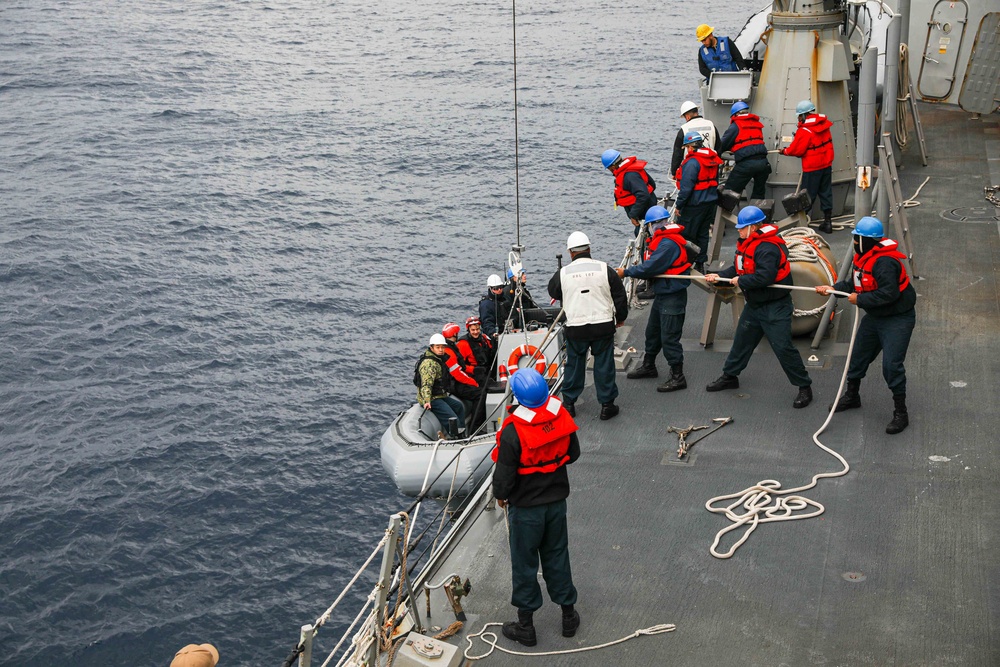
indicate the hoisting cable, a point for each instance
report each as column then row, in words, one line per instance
column 517, row 190
column 765, row 497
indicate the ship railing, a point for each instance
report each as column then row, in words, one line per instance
column 404, row 571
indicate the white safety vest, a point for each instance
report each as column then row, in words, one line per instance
column 586, row 292
column 704, row 127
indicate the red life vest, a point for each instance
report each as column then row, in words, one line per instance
column 751, row 131
column 813, row 143
column 672, row 233
column 544, row 434
column 622, row 196
column 455, row 367
column 467, row 354
column 708, row 175
column 745, row 249
column 864, row 281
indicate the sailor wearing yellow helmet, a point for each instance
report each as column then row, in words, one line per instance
column 717, row 54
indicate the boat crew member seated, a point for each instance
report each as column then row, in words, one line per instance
column 745, row 138
column 666, row 253
column 534, row 445
column 493, row 307
column 434, row 383
column 762, row 261
column 634, row 187
column 476, row 350
column 596, row 303
column 467, row 389
column 814, row 144
column 881, row 287
column 518, row 304
column 697, row 194
column 717, row 54
column 692, row 121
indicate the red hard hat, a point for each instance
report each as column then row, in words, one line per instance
column 472, row 320
column 450, row 330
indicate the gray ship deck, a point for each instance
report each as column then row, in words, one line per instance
column 922, row 533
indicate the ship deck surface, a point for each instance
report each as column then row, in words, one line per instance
column 903, row 567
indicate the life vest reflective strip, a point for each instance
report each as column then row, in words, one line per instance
column 468, row 355
column 544, row 434
column 864, row 280
column 745, row 251
column 672, row 233
column 455, row 368
column 719, row 59
column 751, row 131
column 625, row 197
column 708, row 175
column 511, row 366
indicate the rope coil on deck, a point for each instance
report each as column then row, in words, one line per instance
column 765, row 501
column 491, row 639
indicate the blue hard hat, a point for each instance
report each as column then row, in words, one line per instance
column 869, row 227
column 656, row 213
column 609, row 156
column 510, row 274
column 692, row 136
column 529, row 387
column 805, row 106
column 751, row 215
column 738, row 107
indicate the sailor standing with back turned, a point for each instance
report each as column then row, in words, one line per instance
column 596, row 303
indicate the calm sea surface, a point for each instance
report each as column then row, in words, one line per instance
column 226, row 230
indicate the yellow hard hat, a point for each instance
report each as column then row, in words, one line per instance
column 703, row 31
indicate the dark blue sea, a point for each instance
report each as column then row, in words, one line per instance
column 226, row 230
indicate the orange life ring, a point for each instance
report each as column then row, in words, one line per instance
column 541, row 365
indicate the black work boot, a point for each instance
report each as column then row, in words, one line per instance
column 609, row 410
column 646, row 370
column 570, row 620
column 522, row 630
column 724, row 382
column 570, row 407
column 851, row 398
column 826, row 226
column 900, row 420
column 803, row 398
column 699, row 267
column 645, row 291
column 676, row 381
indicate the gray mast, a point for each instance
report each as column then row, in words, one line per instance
column 806, row 58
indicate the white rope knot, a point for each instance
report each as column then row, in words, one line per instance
column 491, row 639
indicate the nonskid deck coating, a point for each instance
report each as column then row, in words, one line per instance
column 902, row 568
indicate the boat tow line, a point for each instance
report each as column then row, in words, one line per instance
column 491, row 639
column 682, row 433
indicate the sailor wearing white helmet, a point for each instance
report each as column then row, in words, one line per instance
column 595, row 303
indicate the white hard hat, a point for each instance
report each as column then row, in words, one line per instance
column 438, row 339
column 494, row 281
column 688, row 106
column 577, row 240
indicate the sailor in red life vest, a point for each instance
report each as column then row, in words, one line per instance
column 762, row 261
column 476, row 350
column 666, row 254
column 634, row 187
column 882, row 288
column 534, row 445
column 814, row 144
column 466, row 387
column 698, row 191
column 745, row 138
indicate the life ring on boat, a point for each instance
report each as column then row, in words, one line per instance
column 505, row 370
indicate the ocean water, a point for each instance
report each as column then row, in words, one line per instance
column 226, row 230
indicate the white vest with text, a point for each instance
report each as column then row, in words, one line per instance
column 704, row 127
column 586, row 292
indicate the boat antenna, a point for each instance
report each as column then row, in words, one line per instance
column 517, row 188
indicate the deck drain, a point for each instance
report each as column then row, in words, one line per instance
column 854, row 577
column 971, row 214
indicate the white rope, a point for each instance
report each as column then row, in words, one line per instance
column 370, row 600
column 912, row 201
column 325, row 616
column 765, row 502
column 491, row 639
